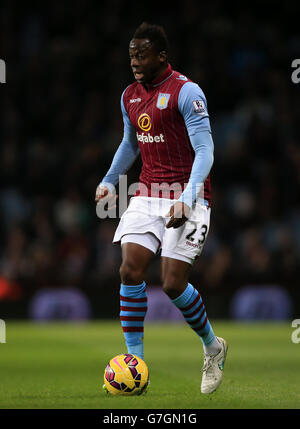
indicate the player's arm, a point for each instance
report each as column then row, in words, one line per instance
column 193, row 107
column 203, row 146
column 123, row 159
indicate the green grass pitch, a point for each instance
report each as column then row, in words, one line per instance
column 61, row 365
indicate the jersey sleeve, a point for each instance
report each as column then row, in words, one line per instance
column 126, row 153
column 129, row 130
column 203, row 146
column 193, row 107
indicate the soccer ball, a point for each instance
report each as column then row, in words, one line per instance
column 126, row 374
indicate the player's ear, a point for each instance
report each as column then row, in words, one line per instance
column 163, row 56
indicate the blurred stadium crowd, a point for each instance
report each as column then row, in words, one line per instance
column 60, row 125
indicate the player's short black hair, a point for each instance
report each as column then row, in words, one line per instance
column 155, row 34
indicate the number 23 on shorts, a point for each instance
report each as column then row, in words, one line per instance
column 193, row 237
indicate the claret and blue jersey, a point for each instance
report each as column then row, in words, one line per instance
column 168, row 124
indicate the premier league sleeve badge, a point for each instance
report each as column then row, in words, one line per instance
column 199, row 107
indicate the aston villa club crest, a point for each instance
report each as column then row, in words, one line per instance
column 162, row 101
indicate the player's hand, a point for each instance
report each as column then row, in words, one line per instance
column 104, row 196
column 179, row 214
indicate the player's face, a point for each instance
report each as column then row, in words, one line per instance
column 145, row 62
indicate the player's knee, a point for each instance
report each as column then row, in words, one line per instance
column 131, row 274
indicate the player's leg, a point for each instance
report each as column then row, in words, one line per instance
column 190, row 303
column 133, row 298
column 180, row 247
column 137, row 232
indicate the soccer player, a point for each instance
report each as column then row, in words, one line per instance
column 166, row 122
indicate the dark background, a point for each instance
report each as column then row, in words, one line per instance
column 60, row 125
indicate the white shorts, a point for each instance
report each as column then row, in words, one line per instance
column 144, row 223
